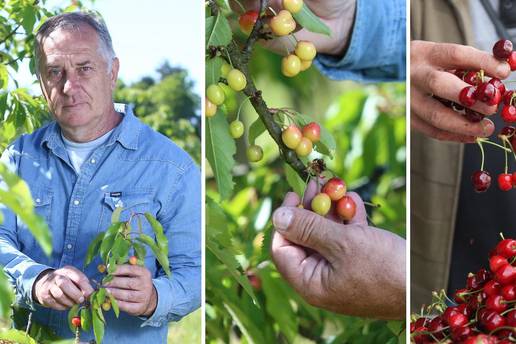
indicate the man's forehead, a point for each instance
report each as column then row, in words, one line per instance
column 74, row 40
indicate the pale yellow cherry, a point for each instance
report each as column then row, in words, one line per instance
column 293, row 6
column 283, row 23
column 305, row 65
column 290, row 65
column 305, row 50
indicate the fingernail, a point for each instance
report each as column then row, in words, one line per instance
column 282, row 218
column 486, row 127
column 81, row 299
column 502, row 68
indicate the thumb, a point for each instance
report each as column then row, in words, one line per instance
column 307, row 229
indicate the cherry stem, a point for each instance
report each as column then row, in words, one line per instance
column 506, row 139
column 482, row 154
column 304, row 190
column 240, row 107
column 229, row 57
column 482, row 75
column 240, row 4
column 77, row 335
column 492, row 143
column 505, row 146
column 272, row 10
column 373, row 205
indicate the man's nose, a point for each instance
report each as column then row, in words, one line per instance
column 71, row 83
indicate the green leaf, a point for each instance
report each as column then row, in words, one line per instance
column 108, row 240
column 218, row 31
column 295, row 182
column 220, row 148
column 115, row 217
column 93, row 248
column 139, row 250
column 16, row 336
column 307, row 19
column 255, row 130
column 6, row 295
column 120, row 249
column 162, row 259
column 213, row 70
column 98, row 327
column 29, row 19
column 73, row 312
column 4, row 77
column 85, row 319
column 114, row 304
column 161, row 239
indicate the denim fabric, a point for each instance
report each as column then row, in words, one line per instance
column 136, row 168
column 377, row 48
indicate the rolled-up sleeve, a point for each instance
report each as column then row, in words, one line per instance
column 180, row 294
column 377, row 49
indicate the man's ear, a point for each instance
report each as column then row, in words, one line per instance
column 115, row 66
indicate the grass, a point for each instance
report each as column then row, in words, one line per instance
column 188, row 330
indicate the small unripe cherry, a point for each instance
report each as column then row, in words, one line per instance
column 210, row 109
column 291, row 136
column 76, row 321
column 335, row 188
column 305, row 50
column 215, row 94
column 254, row 280
column 346, row 208
column 293, row 6
column 321, row 204
column 305, row 65
column 106, row 306
column 101, row 268
column 133, row 260
column 254, row 153
column 282, row 24
column 225, row 68
column 290, row 65
column 247, row 21
column 236, row 80
column 236, row 129
column 304, row 147
column 312, row 131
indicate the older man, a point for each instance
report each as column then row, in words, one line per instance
column 96, row 156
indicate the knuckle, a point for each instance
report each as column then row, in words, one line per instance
column 433, row 82
column 307, row 227
column 434, row 117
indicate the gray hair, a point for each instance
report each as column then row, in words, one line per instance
column 72, row 21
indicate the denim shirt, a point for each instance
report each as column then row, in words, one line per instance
column 377, row 47
column 136, row 168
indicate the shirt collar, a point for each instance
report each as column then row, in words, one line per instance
column 127, row 132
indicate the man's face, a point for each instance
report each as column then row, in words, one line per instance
column 75, row 79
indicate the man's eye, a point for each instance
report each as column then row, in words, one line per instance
column 85, row 69
column 54, row 73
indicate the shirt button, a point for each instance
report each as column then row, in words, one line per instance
column 38, row 200
column 69, row 246
column 76, row 202
column 93, row 161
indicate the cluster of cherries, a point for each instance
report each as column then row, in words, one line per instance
column 484, row 311
column 492, row 92
column 283, row 24
column 301, row 141
column 334, row 191
column 215, row 95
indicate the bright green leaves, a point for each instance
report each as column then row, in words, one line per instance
column 6, row 295
column 218, row 31
column 213, row 70
column 220, row 148
column 307, row 19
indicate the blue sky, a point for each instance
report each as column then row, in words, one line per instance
column 146, row 33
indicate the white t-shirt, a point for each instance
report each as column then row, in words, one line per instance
column 79, row 152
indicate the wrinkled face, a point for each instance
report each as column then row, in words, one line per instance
column 75, row 78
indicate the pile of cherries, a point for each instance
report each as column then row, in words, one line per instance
column 333, row 195
column 483, row 312
column 492, row 92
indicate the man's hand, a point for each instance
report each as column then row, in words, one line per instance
column 62, row 288
column 338, row 15
column 349, row 268
column 428, row 75
column 133, row 289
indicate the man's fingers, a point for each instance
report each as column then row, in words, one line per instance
column 129, row 270
column 310, row 192
column 60, row 297
column 360, row 214
column 130, row 283
column 79, row 278
column 444, row 118
column 455, row 56
column 291, row 200
column 438, row 134
column 306, row 228
column 125, row 295
column 129, row 307
column 71, row 290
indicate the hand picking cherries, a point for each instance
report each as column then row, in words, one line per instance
column 334, row 191
column 482, row 312
column 493, row 92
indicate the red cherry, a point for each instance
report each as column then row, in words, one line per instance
column 509, row 113
column 76, row 321
column 448, row 312
column 506, row 248
column 502, row 49
column 483, row 276
column 512, row 61
column 511, row 318
column 133, row 260
column 498, row 84
column 496, row 303
column 496, row 262
column 436, row 326
column 506, row 274
column 459, row 334
column 507, row 131
column 460, row 295
column 312, row 131
column 460, row 73
column 480, row 339
column 513, row 179
column 473, row 116
column 472, row 282
column 457, row 320
column 505, row 181
column 471, row 78
column 485, row 92
column 492, row 288
column 509, row 293
column 346, row 208
column 254, row 280
column 481, row 180
column 335, row 188
column 495, row 99
column 421, row 336
column 247, row 21
column 507, row 97
column 492, row 320
column 466, row 96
